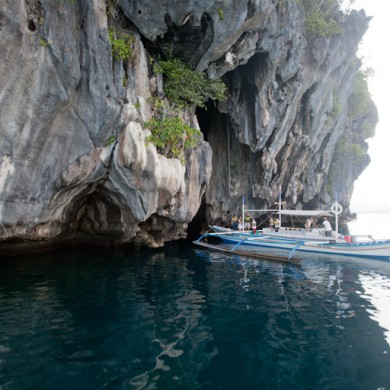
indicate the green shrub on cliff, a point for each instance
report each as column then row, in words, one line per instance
column 320, row 17
column 169, row 132
column 360, row 100
column 111, row 140
column 44, row 43
column 122, row 45
column 172, row 136
column 352, row 153
column 220, row 13
column 184, row 86
column 317, row 25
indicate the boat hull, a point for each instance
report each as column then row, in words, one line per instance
column 376, row 250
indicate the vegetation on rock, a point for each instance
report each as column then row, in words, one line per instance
column 44, row 43
column 184, row 87
column 350, row 152
column 122, row 45
column 320, row 17
column 169, row 132
column 360, row 101
column 220, row 13
column 111, row 140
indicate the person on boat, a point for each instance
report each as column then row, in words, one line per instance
column 271, row 223
column 240, row 224
column 248, row 221
column 234, row 222
column 253, row 226
column 309, row 223
column 328, row 227
column 348, row 239
column 277, row 224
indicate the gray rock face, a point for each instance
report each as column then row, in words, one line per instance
column 63, row 97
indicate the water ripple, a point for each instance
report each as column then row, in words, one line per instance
column 377, row 292
column 182, row 319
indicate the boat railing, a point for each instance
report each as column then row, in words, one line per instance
column 248, row 236
column 296, row 231
column 363, row 238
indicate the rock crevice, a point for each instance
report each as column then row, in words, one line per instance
column 75, row 163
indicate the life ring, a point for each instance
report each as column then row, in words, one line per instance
column 336, row 208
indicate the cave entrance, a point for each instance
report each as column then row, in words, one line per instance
column 94, row 214
column 198, row 223
column 188, row 41
column 207, row 118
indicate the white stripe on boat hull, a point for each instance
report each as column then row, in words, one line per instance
column 370, row 250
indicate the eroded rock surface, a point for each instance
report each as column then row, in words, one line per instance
column 74, row 161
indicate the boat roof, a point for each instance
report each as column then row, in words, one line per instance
column 300, row 213
column 307, row 213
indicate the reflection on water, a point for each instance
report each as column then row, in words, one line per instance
column 377, row 292
column 192, row 319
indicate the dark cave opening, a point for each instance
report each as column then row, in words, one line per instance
column 204, row 116
column 198, row 223
column 187, row 41
column 254, row 72
column 208, row 118
column 95, row 214
column 31, row 25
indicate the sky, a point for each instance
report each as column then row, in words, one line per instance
column 372, row 188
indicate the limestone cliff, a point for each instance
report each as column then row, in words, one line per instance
column 74, row 161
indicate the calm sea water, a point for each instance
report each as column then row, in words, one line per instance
column 183, row 318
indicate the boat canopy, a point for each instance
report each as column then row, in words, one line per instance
column 299, row 213
column 307, row 213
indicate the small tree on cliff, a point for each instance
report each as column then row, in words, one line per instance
column 183, row 88
column 169, row 132
column 321, row 17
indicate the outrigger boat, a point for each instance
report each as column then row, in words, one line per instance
column 290, row 243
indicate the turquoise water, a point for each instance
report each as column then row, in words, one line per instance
column 183, row 318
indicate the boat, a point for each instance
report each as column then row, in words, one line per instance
column 293, row 244
column 262, row 244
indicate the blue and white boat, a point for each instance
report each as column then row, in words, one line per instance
column 290, row 243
